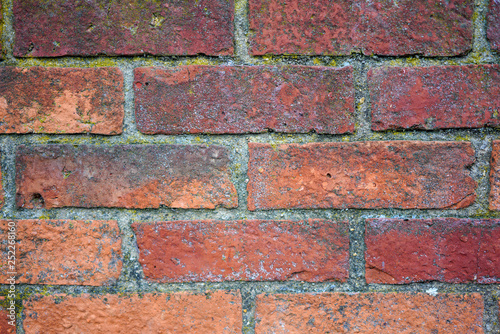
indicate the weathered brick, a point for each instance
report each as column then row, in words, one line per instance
column 210, row 312
column 7, row 317
column 390, row 174
column 495, row 176
column 253, row 250
column 402, row 313
column 65, row 100
column 242, row 99
column 127, row 176
column 61, row 252
column 435, row 97
column 493, row 30
column 1, row 32
column 2, row 200
column 400, row 251
column 95, row 27
column 428, row 27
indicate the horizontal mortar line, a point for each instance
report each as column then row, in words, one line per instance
column 173, row 61
column 291, row 287
column 202, row 213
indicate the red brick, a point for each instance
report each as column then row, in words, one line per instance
column 402, row 313
column 62, row 252
column 2, row 200
column 253, row 250
column 211, row 312
column 493, row 30
column 95, row 27
column 495, row 176
column 1, row 32
column 435, row 97
column 400, row 251
column 66, row 100
column 7, row 320
column 241, row 99
column 428, row 27
column 126, row 176
column 391, row 174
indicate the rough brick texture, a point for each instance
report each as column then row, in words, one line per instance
column 495, row 176
column 241, row 99
column 402, row 313
column 1, row 32
column 444, row 249
column 128, row 176
column 61, row 100
column 493, row 31
column 431, row 28
column 2, row 201
column 95, row 27
column 435, row 97
column 63, row 252
column 313, row 250
column 183, row 313
column 398, row 174
column 5, row 327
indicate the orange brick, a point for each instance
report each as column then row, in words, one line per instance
column 371, row 175
column 6, row 318
column 61, row 100
column 212, row 312
column 369, row 313
column 63, row 252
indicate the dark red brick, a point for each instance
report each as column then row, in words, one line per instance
column 402, row 313
column 400, row 251
column 427, row 27
column 313, row 250
column 493, row 30
column 63, row 252
column 435, row 97
column 126, row 176
column 96, row 27
column 495, row 176
column 242, row 99
column 65, row 100
column 183, row 313
column 390, row 174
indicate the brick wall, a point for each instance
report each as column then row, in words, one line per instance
column 250, row 166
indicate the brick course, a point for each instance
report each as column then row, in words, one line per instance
column 215, row 251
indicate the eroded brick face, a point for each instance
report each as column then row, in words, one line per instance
column 431, row 28
column 126, row 176
column 391, row 174
column 61, row 100
column 493, row 20
column 247, row 250
column 97, row 27
column 400, row 251
column 435, row 97
column 369, row 313
column 211, row 312
column 1, row 32
column 6, row 317
column 244, row 99
column 63, row 252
